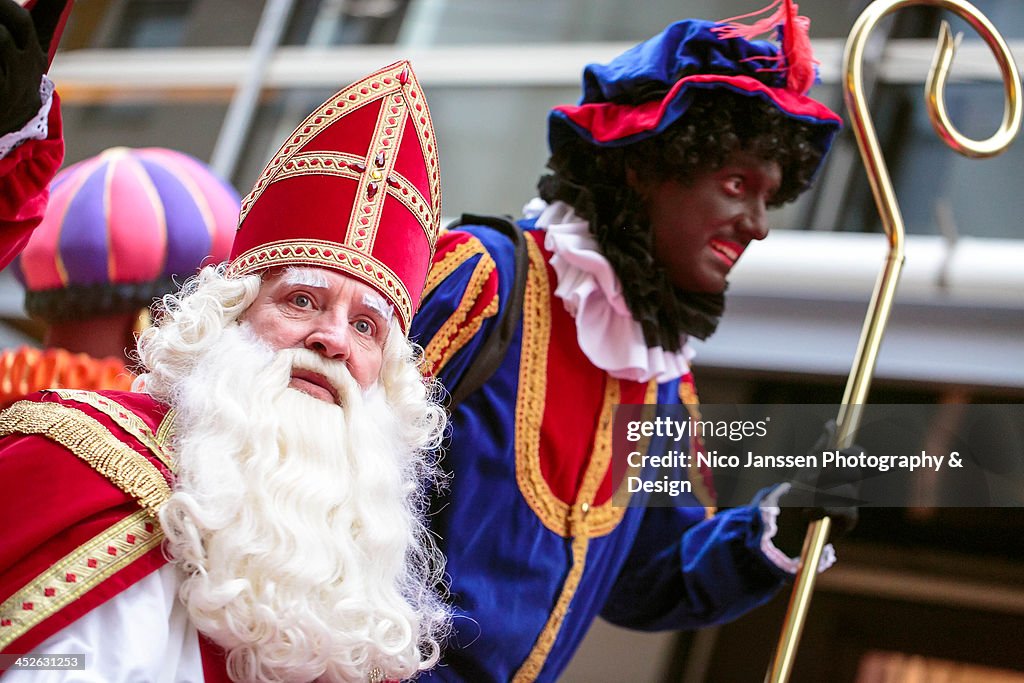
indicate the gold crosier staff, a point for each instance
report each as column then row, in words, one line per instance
column 859, row 380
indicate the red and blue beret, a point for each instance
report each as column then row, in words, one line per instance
column 119, row 226
column 646, row 89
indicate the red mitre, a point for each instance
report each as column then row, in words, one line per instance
column 356, row 188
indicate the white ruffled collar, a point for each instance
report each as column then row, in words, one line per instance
column 592, row 294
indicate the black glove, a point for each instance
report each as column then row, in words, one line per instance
column 24, row 46
column 831, row 492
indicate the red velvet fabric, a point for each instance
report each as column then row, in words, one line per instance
column 53, row 503
column 25, row 175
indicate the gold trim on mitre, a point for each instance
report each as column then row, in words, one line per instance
column 397, row 91
column 344, row 165
column 396, row 81
column 327, row 255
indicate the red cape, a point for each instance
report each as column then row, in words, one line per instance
column 82, row 473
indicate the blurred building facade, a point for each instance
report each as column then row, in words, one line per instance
column 225, row 80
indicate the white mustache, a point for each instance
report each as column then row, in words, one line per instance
column 336, row 373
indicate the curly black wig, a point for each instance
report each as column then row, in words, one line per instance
column 593, row 181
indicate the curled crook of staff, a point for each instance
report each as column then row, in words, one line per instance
column 859, row 380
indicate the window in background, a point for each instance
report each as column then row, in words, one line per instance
column 152, row 23
column 937, row 188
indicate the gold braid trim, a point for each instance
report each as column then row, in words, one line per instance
column 125, row 419
column 77, row 573
column 688, row 397
column 585, row 522
column 603, row 519
column 468, row 331
column 367, row 211
column 531, row 668
column 440, row 270
column 622, row 495
column 552, row 512
column 86, row 438
column 453, row 334
column 166, row 431
column 531, row 396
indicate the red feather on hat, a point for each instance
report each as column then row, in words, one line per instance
column 797, row 57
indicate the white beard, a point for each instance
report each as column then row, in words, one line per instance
column 293, row 521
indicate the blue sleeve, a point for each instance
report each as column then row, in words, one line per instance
column 469, row 282
column 714, row 572
column 687, row 568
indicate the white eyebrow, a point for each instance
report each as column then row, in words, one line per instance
column 379, row 304
column 312, row 277
column 308, row 277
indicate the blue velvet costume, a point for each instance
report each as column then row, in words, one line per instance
column 530, row 569
column 536, row 549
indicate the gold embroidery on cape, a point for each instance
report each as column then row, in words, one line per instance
column 440, row 270
column 125, row 419
column 77, row 573
column 387, row 139
column 93, row 443
column 166, row 431
column 328, row 255
column 456, row 331
column 688, row 397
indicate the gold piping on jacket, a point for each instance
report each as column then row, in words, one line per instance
column 583, row 520
column 579, row 522
column 554, row 513
column 533, row 664
column 688, row 397
column 453, row 334
column 440, row 270
column 531, row 395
